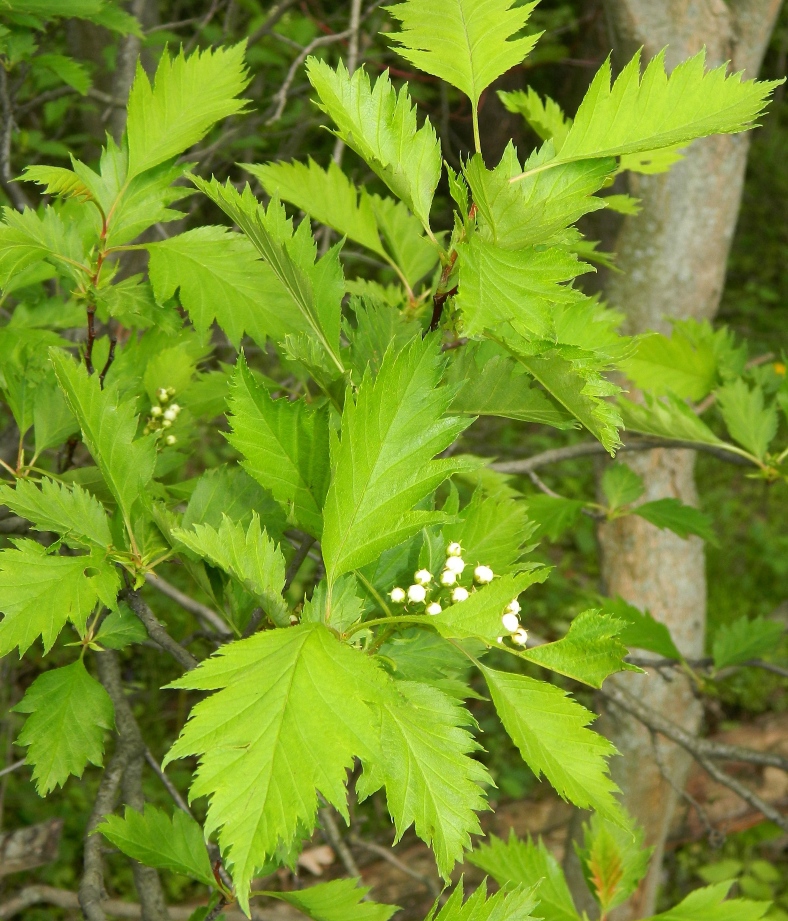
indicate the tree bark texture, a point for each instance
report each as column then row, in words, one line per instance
column 673, row 259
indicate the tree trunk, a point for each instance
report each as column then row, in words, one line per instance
column 673, row 259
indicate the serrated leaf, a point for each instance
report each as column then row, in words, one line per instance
column 749, row 421
column 228, row 490
column 514, row 904
column 41, row 592
column 71, row 72
column 414, row 253
column 545, row 116
column 338, row 900
column 220, row 276
column 668, row 417
column 384, row 465
column 276, row 693
column 379, row 327
column 518, row 862
column 120, row 629
column 285, row 447
column 745, row 639
column 27, row 237
column 709, row 904
column 70, row 511
column 379, row 124
column 677, row 517
column 621, row 486
column 591, row 651
column 480, row 615
column 661, row 364
column 156, row 840
column 431, row 781
column 493, row 532
column 69, row 714
column 614, row 861
column 250, row 556
column 553, row 515
column 108, row 425
column 189, row 95
column 57, row 180
column 642, row 631
column 549, row 729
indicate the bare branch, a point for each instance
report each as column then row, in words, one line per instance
column 390, row 857
column 274, row 15
column 12, row 767
column 157, row 632
column 336, row 841
column 12, row 189
column 201, row 611
column 298, row 559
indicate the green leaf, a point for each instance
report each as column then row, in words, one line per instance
column 545, row 116
column 228, row 490
column 549, row 729
column 390, row 434
column 53, row 421
column 82, row 9
column 642, row 631
column 614, row 861
column 120, row 629
column 668, row 417
column 250, row 556
column 709, row 904
column 431, row 780
column 156, row 840
column 480, row 615
column 677, row 364
column 57, row 180
column 41, row 592
column 467, row 43
column 517, row 862
column 339, row 611
column 590, row 652
column 415, row 254
column 69, row 714
column 659, row 110
column 677, row 517
column 553, row 515
column 749, row 422
column 621, row 486
column 514, row 904
column 745, row 639
column 276, row 693
column 189, row 95
column 379, row 328
column 379, row 124
column 221, row 277
column 338, row 900
column 27, row 237
column 285, row 447
column 316, row 288
column 493, row 532
column 70, row 511
column 328, row 196
column 71, row 72
column 108, row 429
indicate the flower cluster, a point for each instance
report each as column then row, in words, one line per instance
column 162, row 415
column 446, row 590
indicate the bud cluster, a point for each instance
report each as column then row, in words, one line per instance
column 163, row 414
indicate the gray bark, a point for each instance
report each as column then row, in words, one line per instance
column 673, row 259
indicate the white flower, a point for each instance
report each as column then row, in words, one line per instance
column 510, row 622
column 454, row 549
column 459, row 594
column 175, row 408
column 397, row 595
column 163, row 395
column 483, row 574
column 417, row 593
column 170, row 440
column 455, row 564
column 155, row 411
column 433, row 608
column 520, row 637
column 448, row 577
column 499, row 639
column 422, row 577
column 513, row 607
column 170, row 414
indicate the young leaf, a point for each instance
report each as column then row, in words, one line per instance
column 228, row 490
column 745, row 639
column 70, row 511
column 750, row 423
column 677, row 364
column 189, row 95
column 108, row 428
column 379, row 124
column 414, row 253
column 549, row 729
column 545, row 116
column 249, row 556
column 41, row 592
column 71, row 72
column 553, row 515
column 614, row 861
column 156, row 840
column 284, row 445
column 590, row 652
column 493, row 532
column 431, row 781
column 340, row 611
column 514, row 904
column 467, row 43
column 642, row 631
column 709, row 904
column 276, row 693
column 120, row 629
column 59, row 181
column 221, row 277
column 69, row 714
column 27, row 238
column 338, row 900
column 384, row 465
column 517, row 862
column 677, row 517
column 621, row 486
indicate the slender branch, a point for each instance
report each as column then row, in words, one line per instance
column 108, row 363
column 217, row 909
column 170, row 787
column 390, row 857
column 274, row 15
column 351, row 62
column 201, row 611
column 298, row 559
column 157, row 632
column 335, row 839
column 12, row 767
column 255, row 619
column 12, row 189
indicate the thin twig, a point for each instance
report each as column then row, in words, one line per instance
column 201, row 611
column 388, row 855
column 336, row 841
column 12, row 189
column 170, row 787
column 12, row 767
column 108, row 363
column 157, row 632
column 298, row 559
column 274, row 15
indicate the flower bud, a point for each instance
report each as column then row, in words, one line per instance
column 423, row 577
column 162, row 395
column 397, row 595
column 510, row 622
column 513, row 607
column 170, row 415
column 155, row 411
column 459, row 594
column 170, row 440
column 175, row 408
column 454, row 549
column 455, row 564
column 448, row 577
column 520, row 637
column 433, row 608
column 417, row 593
column 166, row 424
column 293, row 620
column 483, row 575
